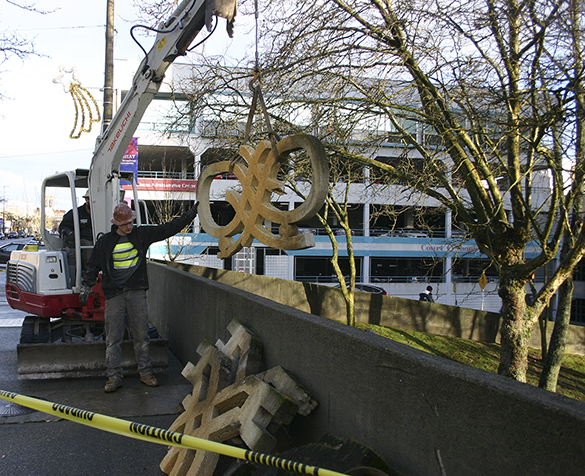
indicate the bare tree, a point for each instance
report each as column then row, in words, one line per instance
column 12, row 44
column 487, row 97
column 336, row 205
column 347, row 283
column 556, row 350
column 170, row 206
column 495, row 86
column 25, row 221
column 154, row 10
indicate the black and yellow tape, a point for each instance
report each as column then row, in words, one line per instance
column 158, row 435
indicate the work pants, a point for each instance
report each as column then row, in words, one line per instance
column 127, row 309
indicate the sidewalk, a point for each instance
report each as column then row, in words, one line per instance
column 38, row 444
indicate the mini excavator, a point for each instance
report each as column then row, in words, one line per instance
column 61, row 338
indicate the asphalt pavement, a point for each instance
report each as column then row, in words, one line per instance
column 33, row 443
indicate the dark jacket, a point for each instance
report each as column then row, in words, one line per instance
column 85, row 229
column 426, row 297
column 141, row 237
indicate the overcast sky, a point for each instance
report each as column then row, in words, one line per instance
column 37, row 115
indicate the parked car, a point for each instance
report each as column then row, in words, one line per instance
column 8, row 248
column 312, row 231
column 410, row 233
column 2, row 236
column 368, row 288
column 12, row 235
column 341, row 231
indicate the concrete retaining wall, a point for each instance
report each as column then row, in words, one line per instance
column 386, row 311
column 424, row 415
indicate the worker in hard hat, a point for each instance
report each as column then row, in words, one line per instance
column 121, row 257
column 66, row 226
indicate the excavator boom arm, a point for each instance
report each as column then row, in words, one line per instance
column 173, row 39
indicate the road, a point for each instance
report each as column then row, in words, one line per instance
column 64, row 447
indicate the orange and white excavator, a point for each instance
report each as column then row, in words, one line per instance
column 60, row 336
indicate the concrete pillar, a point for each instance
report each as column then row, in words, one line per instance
column 366, row 269
column 366, row 259
column 366, row 219
column 448, row 224
column 291, row 259
column 409, row 218
column 448, row 263
column 184, row 167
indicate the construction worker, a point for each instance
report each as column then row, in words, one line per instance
column 66, row 231
column 120, row 256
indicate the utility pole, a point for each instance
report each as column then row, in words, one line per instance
column 109, row 67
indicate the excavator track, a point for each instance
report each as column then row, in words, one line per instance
column 74, row 360
column 43, row 358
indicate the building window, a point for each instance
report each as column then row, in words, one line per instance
column 470, row 270
column 320, row 269
column 579, row 271
column 578, row 311
column 405, row 270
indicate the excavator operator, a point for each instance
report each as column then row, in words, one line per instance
column 66, row 232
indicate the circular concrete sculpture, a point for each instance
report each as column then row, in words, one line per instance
column 258, row 179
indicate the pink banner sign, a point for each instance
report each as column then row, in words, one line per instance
column 165, row 185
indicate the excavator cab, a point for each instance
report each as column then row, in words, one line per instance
column 72, row 183
column 46, row 283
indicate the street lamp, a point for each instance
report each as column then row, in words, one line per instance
column 4, row 210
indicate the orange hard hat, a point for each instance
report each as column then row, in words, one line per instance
column 122, row 214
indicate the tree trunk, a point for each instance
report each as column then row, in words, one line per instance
column 514, row 333
column 350, row 309
column 556, row 350
column 543, row 326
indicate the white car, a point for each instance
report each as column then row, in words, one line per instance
column 410, row 233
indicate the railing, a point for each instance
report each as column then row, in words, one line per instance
column 322, row 279
column 387, row 232
column 373, row 279
column 382, row 232
column 166, row 175
column 456, row 278
column 406, row 279
column 397, row 279
column 336, row 231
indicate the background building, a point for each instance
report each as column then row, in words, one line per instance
column 417, row 244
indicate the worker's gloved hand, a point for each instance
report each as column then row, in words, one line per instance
column 84, row 295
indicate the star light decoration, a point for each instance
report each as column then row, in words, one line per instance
column 82, row 100
column 67, row 78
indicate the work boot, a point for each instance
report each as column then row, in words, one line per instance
column 113, row 384
column 149, row 380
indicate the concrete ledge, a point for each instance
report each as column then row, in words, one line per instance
column 424, row 415
column 386, row 311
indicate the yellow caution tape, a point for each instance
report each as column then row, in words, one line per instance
column 158, row 435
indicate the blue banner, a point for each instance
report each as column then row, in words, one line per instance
column 130, row 159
